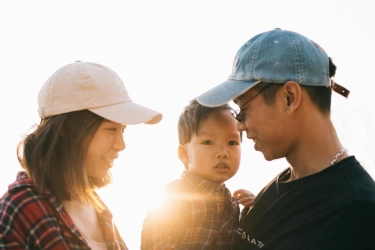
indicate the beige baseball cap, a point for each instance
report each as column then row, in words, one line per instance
column 86, row 85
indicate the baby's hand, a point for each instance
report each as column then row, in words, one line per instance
column 244, row 197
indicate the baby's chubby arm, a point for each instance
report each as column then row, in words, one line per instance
column 244, row 197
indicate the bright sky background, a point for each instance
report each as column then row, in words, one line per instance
column 168, row 52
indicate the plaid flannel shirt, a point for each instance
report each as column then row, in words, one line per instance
column 195, row 214
column 33, row 220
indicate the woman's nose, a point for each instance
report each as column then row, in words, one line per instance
column 119, row 143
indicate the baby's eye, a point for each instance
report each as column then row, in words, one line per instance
column 207, row 143
column 233, row 143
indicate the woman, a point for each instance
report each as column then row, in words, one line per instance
column 84, row 109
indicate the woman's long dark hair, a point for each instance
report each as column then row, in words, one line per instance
column 54, row 156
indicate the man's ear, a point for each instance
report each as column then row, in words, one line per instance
column 293, row 95
column 183, row 154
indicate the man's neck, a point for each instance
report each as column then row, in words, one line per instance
column 315, row 152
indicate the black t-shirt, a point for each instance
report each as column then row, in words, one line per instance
column 332, row 209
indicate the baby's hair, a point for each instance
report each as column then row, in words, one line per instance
column 193, row 115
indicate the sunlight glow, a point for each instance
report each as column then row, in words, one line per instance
column 168, row 52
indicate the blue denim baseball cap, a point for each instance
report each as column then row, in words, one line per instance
column 275, row 56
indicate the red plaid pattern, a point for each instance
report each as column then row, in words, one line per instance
column 33, row 220
column 196, row 214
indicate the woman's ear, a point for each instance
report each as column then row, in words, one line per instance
column 183, row 154
column 293, row 95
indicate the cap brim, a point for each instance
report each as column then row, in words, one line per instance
column 128, row 113
column 225, row 92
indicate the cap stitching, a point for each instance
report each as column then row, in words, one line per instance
column 297, row 59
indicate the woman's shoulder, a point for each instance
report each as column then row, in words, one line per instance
column 22, row 197
column 29, row 217
column 21, row 189
column 22, row 181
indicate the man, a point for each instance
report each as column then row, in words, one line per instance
column 282, row 83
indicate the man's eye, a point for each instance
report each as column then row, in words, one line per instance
column 207, row 143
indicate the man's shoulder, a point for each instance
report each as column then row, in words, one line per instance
column 358, row 180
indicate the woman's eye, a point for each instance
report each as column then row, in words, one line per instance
column 207, row 143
